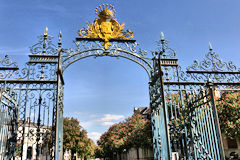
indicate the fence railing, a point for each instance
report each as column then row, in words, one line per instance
column 8, row 124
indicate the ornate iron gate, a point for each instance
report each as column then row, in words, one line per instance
column 35, row 87
column 194, row 128
column 204, row 125
column 184, row 117
column 191, row 97
column 8, row 123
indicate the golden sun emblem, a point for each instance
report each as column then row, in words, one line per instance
column 105, row 27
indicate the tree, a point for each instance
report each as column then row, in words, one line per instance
column 228, row 107
column 75, row 139
column 134, row 132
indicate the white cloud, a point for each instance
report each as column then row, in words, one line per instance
column 94, row 136
column 111, row 117
column 107, row 123
column 86, row 124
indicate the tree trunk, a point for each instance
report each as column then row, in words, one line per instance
column 72, row 155
column 137, row 153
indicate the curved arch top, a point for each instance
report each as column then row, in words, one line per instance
column 125, row 49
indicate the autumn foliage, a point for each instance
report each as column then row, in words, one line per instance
column 134, row 132
column 75, row 139
column 228, row 107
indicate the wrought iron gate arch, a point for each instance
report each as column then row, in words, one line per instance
column 125, row 50
column 40, row 89
column 177, row 104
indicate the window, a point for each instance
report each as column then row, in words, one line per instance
column 29, row 153
column 232, row 143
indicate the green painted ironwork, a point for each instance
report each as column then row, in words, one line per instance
column 183, row 112
column 8, row 123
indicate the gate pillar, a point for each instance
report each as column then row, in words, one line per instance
column 59, row 110
column 161, row 143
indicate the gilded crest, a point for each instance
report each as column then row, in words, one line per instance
column 105, row 27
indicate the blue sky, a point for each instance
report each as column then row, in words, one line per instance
column 104, row 90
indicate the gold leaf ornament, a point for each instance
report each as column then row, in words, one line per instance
column 105, row 27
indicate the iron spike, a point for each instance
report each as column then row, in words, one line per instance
column 60, row 35
column 60, row 39
column 210, row 46
column 162, row 36
column 46, row 31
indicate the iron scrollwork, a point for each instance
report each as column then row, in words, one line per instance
column 44, row 46
column 10, row 69
column 212, row 67
column 35, row 85
column 85, row 48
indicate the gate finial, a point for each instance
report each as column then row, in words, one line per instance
column 46, row 31
column 60, row 39
column 210, row 46
column 162, row 36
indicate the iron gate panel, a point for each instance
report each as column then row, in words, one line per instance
column 193, row 129
column 35, row 86
column 193, row 120
column 8, row 124
column 203, row 127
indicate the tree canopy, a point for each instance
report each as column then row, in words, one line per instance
column 228, row 107
column 134, row 131
column 75, row 139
